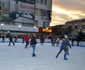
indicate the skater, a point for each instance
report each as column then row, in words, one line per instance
column 33, row 44
column 42, row 40
column 64, row 46
column 10, row 40
column 57, row 42
column 15, row 39
column 53, row 41
column 26, row 38
column 22, row 39
column 3, row 37
column 72, row 41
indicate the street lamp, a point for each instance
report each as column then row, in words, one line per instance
column 2, row 25
column 34, row 28
column 19, row 27
column 47, row 28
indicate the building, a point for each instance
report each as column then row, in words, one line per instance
column 76, row 25
column 25, row 15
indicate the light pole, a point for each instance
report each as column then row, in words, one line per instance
column 19, row 27
column 34, row 28
column 47, row 28
column 2, row 26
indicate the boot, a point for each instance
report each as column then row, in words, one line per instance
column 56, row 57
column 65, row 58
column 33, row 55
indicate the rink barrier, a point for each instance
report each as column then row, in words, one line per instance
column 82, row 44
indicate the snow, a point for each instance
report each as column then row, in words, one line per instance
column 18, row 58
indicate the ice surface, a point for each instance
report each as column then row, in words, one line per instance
column 18, row 58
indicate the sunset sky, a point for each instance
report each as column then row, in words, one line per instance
column 65, row 10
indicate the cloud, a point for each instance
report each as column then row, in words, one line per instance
column 70, row 4
column 65, row 10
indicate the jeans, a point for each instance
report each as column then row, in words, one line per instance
column 11, row 42
column 65, row 50
column 27, row 43
column 33, row 46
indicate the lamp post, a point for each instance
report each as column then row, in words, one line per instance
column 19, row 27
column 47, row 28
column 2, row 26
column 34, row 28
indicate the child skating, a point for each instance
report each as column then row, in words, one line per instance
column 64, row 46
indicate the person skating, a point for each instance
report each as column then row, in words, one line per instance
column 26, row 38
column 33, row 44
column 3, row 37
column 15, row 39
column 64, row 46
column 10, row 40
column 57, row 42
column 42, row 39
column 53, row 41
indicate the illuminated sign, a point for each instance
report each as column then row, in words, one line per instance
column 45, row 30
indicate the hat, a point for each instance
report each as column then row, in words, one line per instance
column 65, row 36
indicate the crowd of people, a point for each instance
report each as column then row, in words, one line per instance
column 31, row 40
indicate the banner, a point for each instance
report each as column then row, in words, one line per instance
column 24, row 11
column 17, row 11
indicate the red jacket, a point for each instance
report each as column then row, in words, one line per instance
column 43, row 39
column 26, row 38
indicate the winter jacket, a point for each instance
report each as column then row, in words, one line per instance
column 64, row 44
column 33, row 41
column 26, row 38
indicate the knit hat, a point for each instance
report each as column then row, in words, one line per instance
column 65, row 36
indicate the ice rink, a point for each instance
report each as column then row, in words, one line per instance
column 18, row 58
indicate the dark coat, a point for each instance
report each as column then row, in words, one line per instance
column 33, row 41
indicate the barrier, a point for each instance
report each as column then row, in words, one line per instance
column 46, row 41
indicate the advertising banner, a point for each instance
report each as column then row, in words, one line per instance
column 17, row 11
column 24, row 10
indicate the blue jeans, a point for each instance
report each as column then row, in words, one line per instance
column 33, row 46
column 65, row 50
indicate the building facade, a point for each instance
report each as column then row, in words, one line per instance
column 76, row 25
column 25, row 15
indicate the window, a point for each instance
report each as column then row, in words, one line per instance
column 36, row 1
column 36, row 23
column 41, row 1
column 45, row 2
column 36, row 12
column 40, row 12
column 47, row 25
column 44, row 23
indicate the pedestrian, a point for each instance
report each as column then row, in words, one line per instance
column 79, row 37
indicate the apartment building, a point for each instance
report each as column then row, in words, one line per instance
column 25, row 15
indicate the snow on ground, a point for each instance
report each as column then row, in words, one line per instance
column 18, row 58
